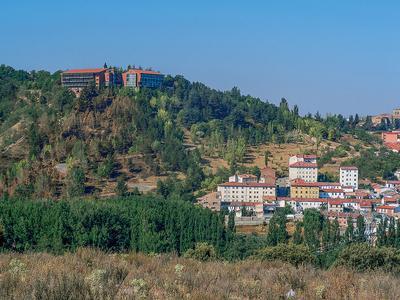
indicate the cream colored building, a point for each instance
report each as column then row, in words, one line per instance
column 349, row 177
column 303, row 167
column 245, row 192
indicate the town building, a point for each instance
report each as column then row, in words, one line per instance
column 299, row 188
column 336, row 205
column 303, row 167
column 268, row 175
column 378, row 119
column 300, row 204
column 247, row 209
column 391, row 137
column 136, row 78
column 78, row 79
column 331, row 193
column 388, row 210
column 349, row 177
column 243, row 178
column 210, row 201
column 245, row 192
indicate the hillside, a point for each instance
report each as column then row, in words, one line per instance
column 53, row 144
column 91, row 274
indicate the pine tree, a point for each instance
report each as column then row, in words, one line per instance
column 121, row 189
column 398, row 234
column 360, row 229
column 381, row 233
column 312, row 227
column 297, row 236
column 335, row 236
column 349, row 233
column 326, row 233
column 391, row 237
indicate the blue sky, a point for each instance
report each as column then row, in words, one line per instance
column 328, row 56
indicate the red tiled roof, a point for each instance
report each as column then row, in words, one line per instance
column 238, row 203
column 395, row 182
column 393, row 146
column 386, row 207
column 247, row 184
column 365, row 203
column 301, row 182
column 391, row 200
column 137, row 71
column 269, row 198
column 329, row 183
column 310, row 156
column 302, row 164
column 97, row 70
column 303, row 199
column 337, row 202
column 341, row 214
column 349, row 168
column 332, row 190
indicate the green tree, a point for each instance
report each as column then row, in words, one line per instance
column 297, row 236
column 326, row 234
column 75, row 185
column 121, row 189
column 349, row 233
column 312, row 223
column 360, row 229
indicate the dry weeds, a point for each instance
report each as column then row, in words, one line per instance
column 91, row 274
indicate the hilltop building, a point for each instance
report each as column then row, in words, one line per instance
column 349, row 177
column 303, row 167
column 136, row 78
column 78, row 79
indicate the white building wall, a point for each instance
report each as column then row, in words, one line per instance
column 349, row 178
column 307, row 174
column 245, row 193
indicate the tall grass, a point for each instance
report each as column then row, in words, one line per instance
column 92, row 274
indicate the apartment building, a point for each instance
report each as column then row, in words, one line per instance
column 303, row 167
column 302, row 203
column 268, row 175
column 243, row 178
column 245, row 192
column 136, row 78
column 391, row 137
column 349, row 177
column 210, row 201
column 299, row 188
column 78, row 79
column 332, row 193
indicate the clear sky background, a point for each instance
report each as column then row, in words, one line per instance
column 330, row 56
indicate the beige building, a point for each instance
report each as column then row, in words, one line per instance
column 303, row 167
column 245, row 192
column 302, row 189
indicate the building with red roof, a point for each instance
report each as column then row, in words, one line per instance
column 137, row 78
column 78, row 79
column 304, row 167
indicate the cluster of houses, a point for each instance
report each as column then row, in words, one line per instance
column 259, row 197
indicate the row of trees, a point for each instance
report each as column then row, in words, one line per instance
column 144, row 224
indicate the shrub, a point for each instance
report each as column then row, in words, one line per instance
column 293, row 254
column 202, row 252
column 362, row 257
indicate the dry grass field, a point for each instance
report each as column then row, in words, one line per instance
column 91, row 274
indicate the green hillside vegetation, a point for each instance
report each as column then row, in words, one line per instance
column 116, row 133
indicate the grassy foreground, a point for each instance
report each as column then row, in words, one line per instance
column 91, row 274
